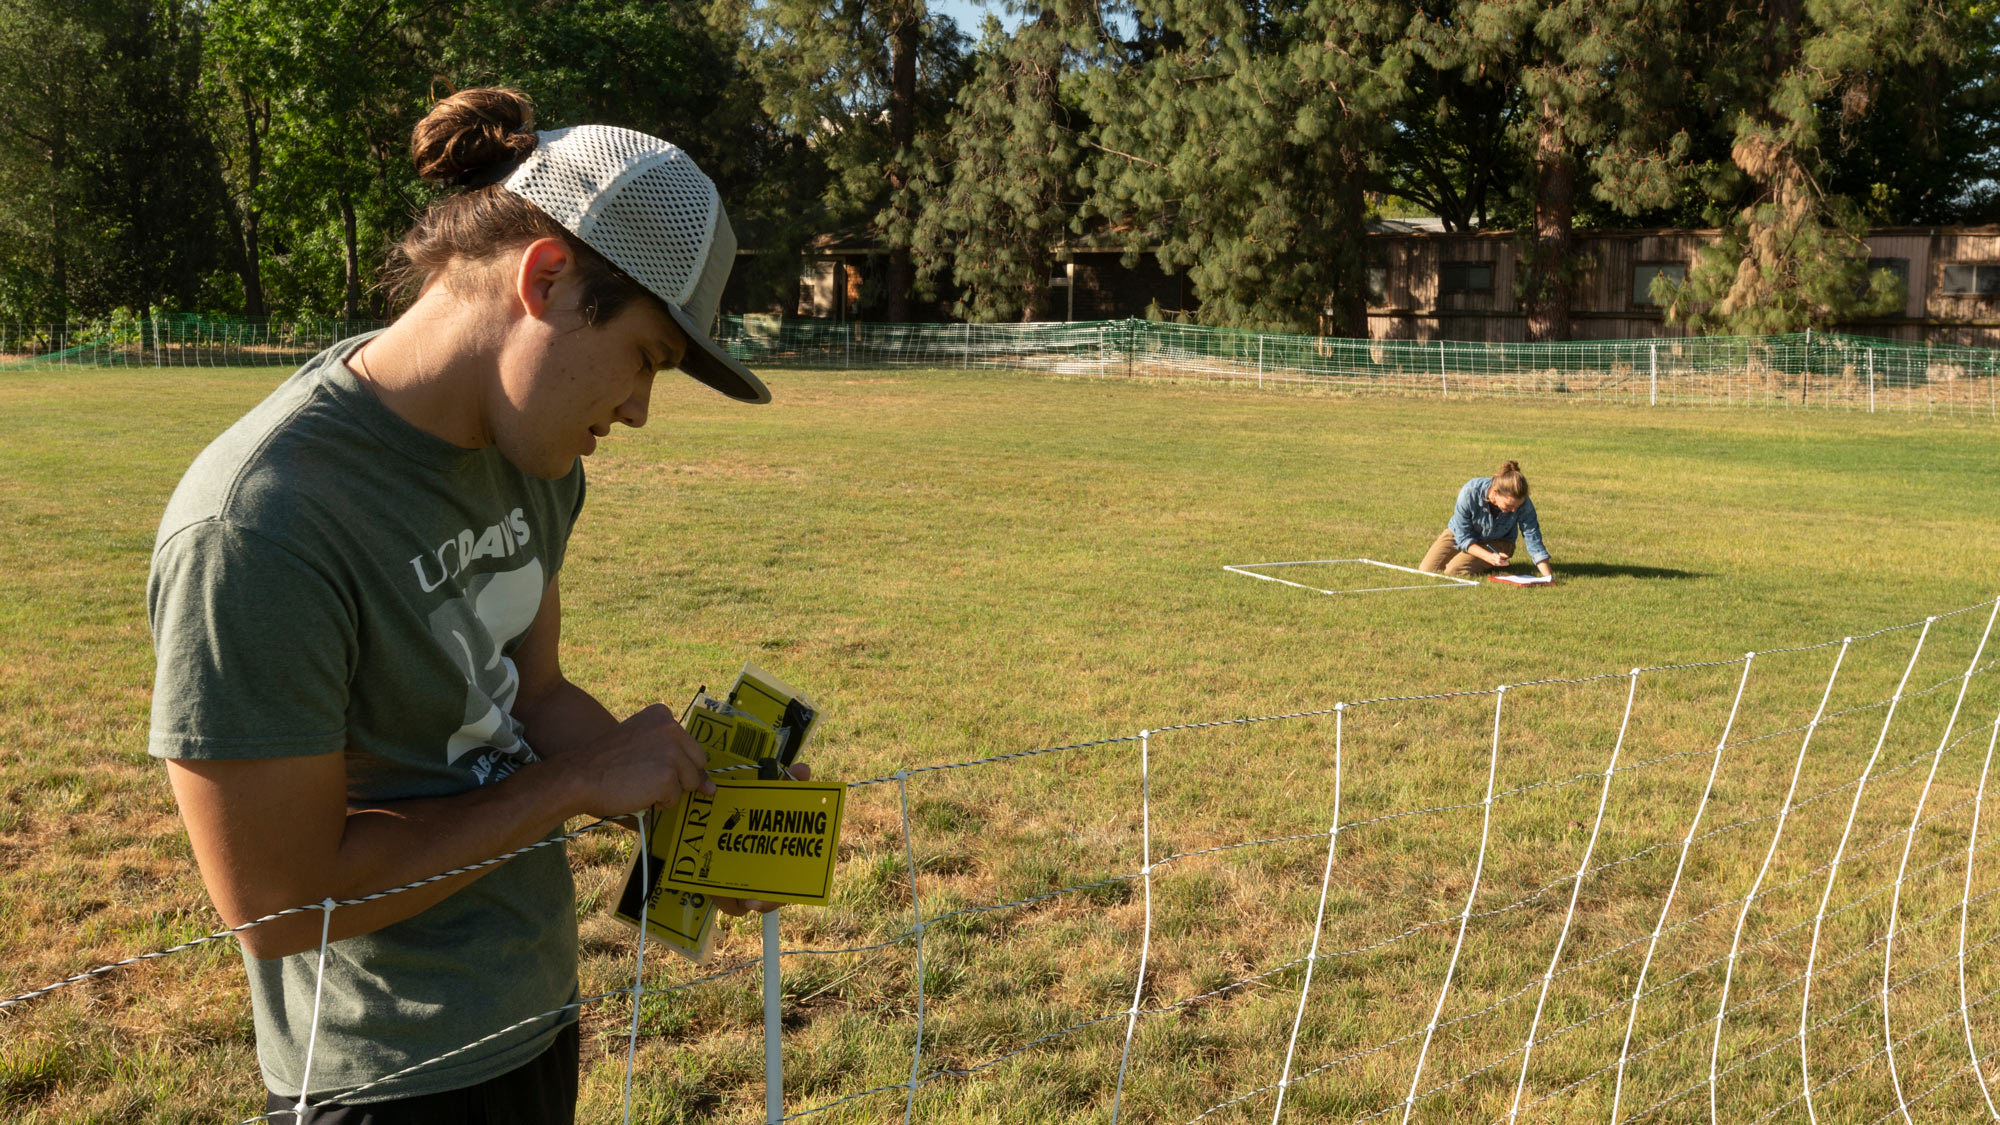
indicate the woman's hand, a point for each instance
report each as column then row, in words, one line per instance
column 1494, row 557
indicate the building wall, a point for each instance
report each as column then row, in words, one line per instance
column 1605, row 306
column 1425, row 296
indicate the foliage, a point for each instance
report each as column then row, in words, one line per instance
column 1793, row 257
column 99, row 162
column 860, row 83
column 1235, row 143
column 1001, row 182
column 248, row 156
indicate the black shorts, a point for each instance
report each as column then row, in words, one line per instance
column 541, row 1091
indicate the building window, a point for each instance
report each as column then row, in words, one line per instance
column 1378, row 285
column 1899, row 267
column 1642, row 280
column 1971, row 279
column 1467, row 277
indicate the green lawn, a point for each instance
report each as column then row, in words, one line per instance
column 962, row 565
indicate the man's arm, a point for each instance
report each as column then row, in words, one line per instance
column 559, row 715
column 274, row 833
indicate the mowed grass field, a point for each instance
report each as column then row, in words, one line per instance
column 960, row 565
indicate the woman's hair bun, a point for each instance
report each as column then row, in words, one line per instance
column 1509, row 467
column 473, row 137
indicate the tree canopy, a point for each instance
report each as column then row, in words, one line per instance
column 250, row 156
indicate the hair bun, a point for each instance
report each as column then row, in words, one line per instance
column 1510, row 467
column 474, row 136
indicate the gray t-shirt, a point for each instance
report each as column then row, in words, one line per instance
column 330, row 578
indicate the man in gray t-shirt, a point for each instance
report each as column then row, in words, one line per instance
column 328, row 577
column 356, row 606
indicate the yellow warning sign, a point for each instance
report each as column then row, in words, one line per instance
column 770, row 840
column 729, row 735
column 684, row 920
column 681, row 920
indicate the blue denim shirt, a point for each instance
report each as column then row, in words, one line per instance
column 1474, row 520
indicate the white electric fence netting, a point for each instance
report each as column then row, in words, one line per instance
column 1702, row 888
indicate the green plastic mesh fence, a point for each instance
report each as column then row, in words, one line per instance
column 172, row 341
column 1810, row 370
column 1807, row 369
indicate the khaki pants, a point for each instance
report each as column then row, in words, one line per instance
column 1445, row 556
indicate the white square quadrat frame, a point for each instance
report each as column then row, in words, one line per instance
column 1449, row 581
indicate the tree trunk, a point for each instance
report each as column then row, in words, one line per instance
column 350, row 305
column 58, row 242
column 1035, row 295
column 903, row 31
column 250, row 263
column 1555, row 208
column 1351, row 212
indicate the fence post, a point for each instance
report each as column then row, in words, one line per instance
column 1653, row 397
column 1260, row 363
column 774, row 1068
column 1444, row 388
column 1871, row 380
column 1131, row 329
column 1805, row 372
column 968, row 345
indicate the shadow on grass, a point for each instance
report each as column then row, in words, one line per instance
column 1620, row 570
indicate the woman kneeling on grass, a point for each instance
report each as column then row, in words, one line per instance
column 1480, row 537
column 355, row 602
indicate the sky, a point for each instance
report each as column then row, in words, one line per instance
column 971, row 14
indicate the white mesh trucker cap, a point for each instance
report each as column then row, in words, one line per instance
column 643, row 204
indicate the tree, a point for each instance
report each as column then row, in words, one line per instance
column 663, row 69
column 103, row 199
column 1927, row 149
column 1596, row 90
column 1002, row 180
column 1236, row 141
column 1451, row 150
column 1794, row 257
column 860, row 81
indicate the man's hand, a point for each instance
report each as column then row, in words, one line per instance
column 647, row 760
column 737, row 907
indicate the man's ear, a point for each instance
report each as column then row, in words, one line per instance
column 546, row 266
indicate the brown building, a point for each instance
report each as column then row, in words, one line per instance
column 1462, row 286
column 1429, row 284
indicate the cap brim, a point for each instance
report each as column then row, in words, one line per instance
column 707, row 363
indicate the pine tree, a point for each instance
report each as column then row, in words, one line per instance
column 1450, row 151
column 1928, row 149
column 1596, row 96
column 860, row 81
column 1001, row 183
column 1235, row 144
column 1794, row 257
